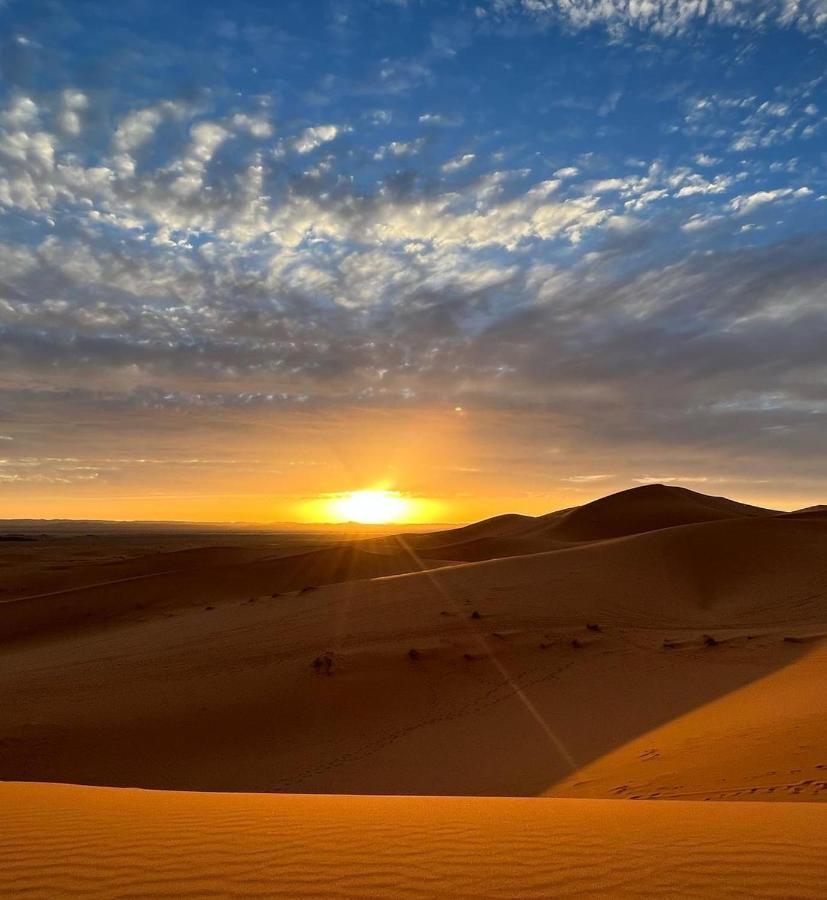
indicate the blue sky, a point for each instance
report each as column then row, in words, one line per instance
column 595, row 226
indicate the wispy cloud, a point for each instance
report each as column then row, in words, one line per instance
column 663, row 16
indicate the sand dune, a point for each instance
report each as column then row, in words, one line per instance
column 654, row 645
column 211, row 683
column 634, row 511
column 648, row 508
column 63, row 584
column 86, row 842
column 495, row 527
column 484, row 548
column 811, row 512
column 763, row 741
column 149, row 584
column 344, row 562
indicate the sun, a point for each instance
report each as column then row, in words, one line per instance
column 376, row 507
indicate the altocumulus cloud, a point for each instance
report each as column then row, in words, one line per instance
column 258, row 235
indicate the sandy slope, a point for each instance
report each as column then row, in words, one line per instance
column 764, row 741
column 45, row 601
column 638, row 510
column 86, row 842
column 634, row 511
column 218, row 692
column 65, row 581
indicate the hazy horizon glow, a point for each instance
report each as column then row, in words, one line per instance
column 501, row 255
column 374, row 506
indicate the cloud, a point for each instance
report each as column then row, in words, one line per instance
column 21, row 113
column 314, row 137
column 70, row 117
column 459, row 162
column 220, row 246
column 699, row 221
column 666, row 17
column 721, row 353
column 747, row 203
column 437, row 119
column 587, row 479
column 256, row 126
column 750, row 122
column 137, row 128
column 399, row 149
column 181, row 197
column 696, row 184
column 205, row 139
column 703, row 327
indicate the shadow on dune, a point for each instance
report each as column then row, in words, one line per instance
column 209, row 686
column 168, row 581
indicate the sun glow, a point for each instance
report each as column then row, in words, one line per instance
column 376, row 507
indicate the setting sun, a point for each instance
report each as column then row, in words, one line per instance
column 376, row 507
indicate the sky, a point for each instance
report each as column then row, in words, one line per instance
column 498, row 255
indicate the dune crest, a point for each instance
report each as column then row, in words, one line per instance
column 650, row 507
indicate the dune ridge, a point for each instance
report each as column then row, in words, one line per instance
column 637, row 510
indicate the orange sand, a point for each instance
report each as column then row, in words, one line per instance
column 60, row 841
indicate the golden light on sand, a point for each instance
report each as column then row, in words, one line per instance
column 375, row 507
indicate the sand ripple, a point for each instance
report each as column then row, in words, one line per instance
column 71, row 841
